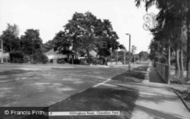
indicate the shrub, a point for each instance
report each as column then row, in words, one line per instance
column 75, row 61
column 61, row 61
column 17, row 57
column 39, row 57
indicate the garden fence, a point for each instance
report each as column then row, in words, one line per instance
column 164, row 71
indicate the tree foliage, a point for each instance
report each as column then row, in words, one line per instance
column 85, row 32
column 31, row 42
column 172, row 31
column 10, row 38
column 17, row 57
column 39, row 57
column 62, row 43
column 47, row 46
column 143, row 56
column 134, row 48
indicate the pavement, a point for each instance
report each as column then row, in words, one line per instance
column 156, row 100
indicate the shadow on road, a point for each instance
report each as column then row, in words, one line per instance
column 158, row 114
column 13, row 72
column 99, row 99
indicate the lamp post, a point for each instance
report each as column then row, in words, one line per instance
column 129, row 50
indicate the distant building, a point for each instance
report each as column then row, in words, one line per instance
column 3, row 56
column 54, row 56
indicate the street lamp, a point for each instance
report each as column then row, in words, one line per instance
column 129, row 50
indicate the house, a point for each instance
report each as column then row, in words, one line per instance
column 3, row 56
column 53, row 56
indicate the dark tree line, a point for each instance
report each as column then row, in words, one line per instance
column 171, row 42
column 83, row 33
column 26, row 48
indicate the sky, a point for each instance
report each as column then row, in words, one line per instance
column 49, row 16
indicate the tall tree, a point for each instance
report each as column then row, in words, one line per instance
column 133, row 50
column 31, row 42
column 81, row 32
column 173, row 13
column 107, row 39
column 85, row 32
column 10, row 38
column 143, row 55
column 47, row 46
column 62, row 43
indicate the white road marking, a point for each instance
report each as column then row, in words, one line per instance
column 101, row 83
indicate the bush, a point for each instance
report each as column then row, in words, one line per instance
column 17, row 57
column 39, row 57
column 75, row 61
column 61, row 61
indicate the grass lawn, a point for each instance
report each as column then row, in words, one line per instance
column 137, row 75
column 183, row 90
column 180, row 86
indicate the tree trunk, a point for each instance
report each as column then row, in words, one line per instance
column 181, row 63
column 1, row 49
column 188, row 46
column 169, row 61
column 169, row 56
column 117, row 58
column 177, row 63
column 72, row 58
column 188, row 59
column 106, row 61
column 88, row 56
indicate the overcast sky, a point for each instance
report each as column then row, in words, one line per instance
column 49, row 16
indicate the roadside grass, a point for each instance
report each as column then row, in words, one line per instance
column 181, row 88
column 137, row 75
column 101, row 98
column 185, row 94
column 183, row 91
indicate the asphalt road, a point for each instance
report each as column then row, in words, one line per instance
column 43, row 85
